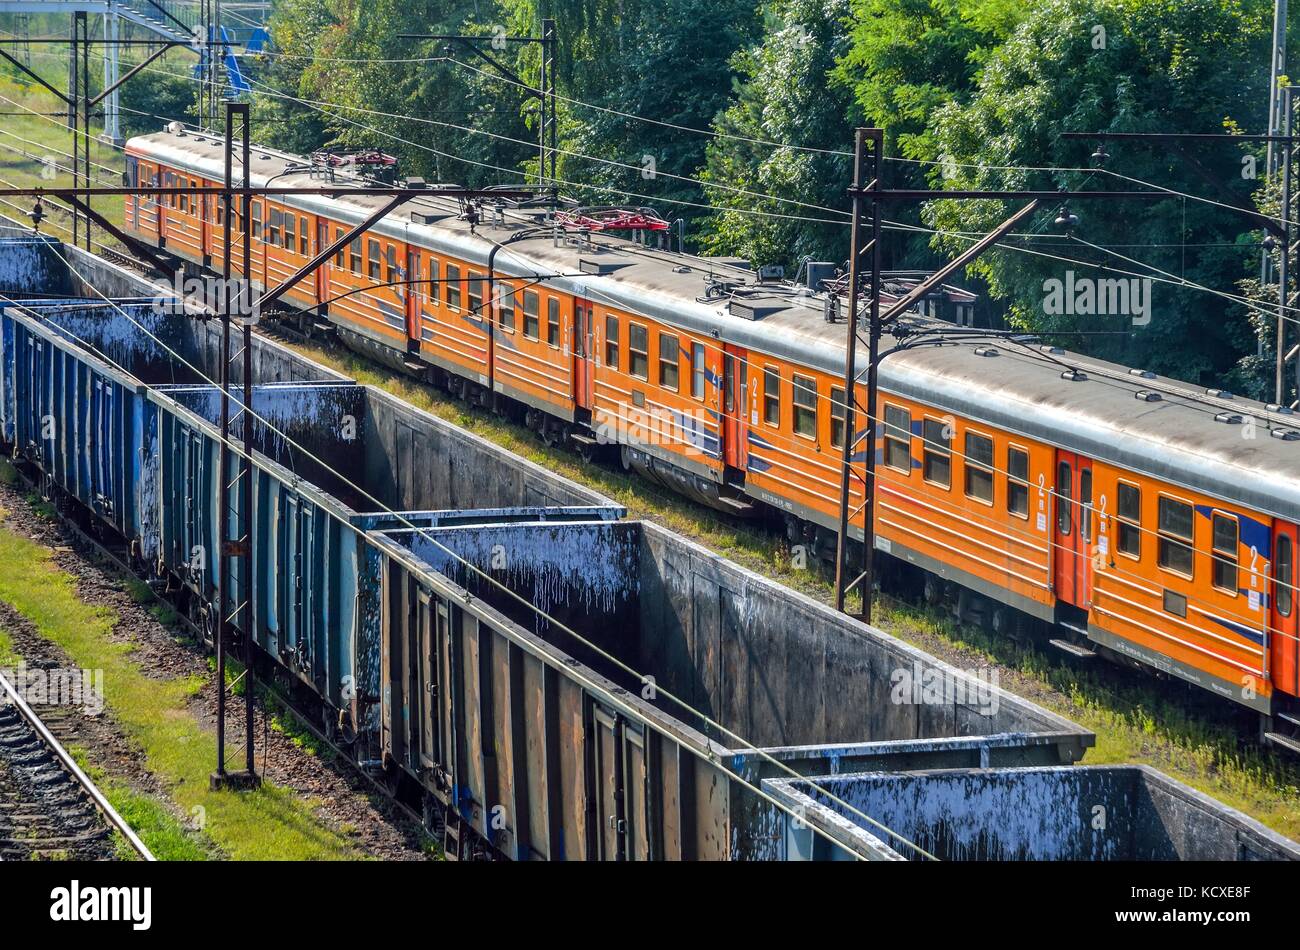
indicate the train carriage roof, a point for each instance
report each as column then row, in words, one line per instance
column 1188, row 437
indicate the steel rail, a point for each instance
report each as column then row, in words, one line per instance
column 12, row 696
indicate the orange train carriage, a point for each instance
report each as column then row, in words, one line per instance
column 1142, row 517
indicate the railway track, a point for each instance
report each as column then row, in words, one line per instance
column 49, row 807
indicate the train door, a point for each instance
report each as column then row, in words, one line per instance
column 101, row 437
column 735, row 406
column 192, row 539
column 413, row 294
column 36, row 413
column 312, row 555
column 322, row 276
column 205, row 227
column 584, row 321
column 1074, row 530
column 448, row 697
column 1284, row 653
column 621, row 781
column 151, row 219
column 132, row 179
column 299, row 557
column 611, row 824
column 164, row 181
column 426, row 646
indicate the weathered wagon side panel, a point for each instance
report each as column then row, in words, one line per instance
column 1079, row 813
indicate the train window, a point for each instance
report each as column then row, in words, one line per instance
column 274, row 218
column 1064, row 496
column 936, row 465
column 435, row 272
column 898, row 438
column 772, row 396
column 698, row 369
column 1085, row 504
column 475, row 287
column 1175, row 534
column 453, row 286
column 304, row 237
column 805, row 406
column 979, row 467
column 1223, row 546
column 390, row 264
column 668, row 357
column 290, row 239
column 257, row 220
column 1282, row 583
column 531, row 325
column 372, row 259
column 611, row 341
column 638, row 347
column 506, row 307
column 1017, row 481
column 1130, row 520
column 839, row 412
column 354, row 255
column 552, row 321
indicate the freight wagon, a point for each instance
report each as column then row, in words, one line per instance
column 1086, row 813
column 700, row 679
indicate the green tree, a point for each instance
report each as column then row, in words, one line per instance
column 1117, row 65
column 349, row 56
column 908, row 58
column 152, row 98
column 782, row 96
column 666, row 60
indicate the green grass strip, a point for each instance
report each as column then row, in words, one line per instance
column 271, row 823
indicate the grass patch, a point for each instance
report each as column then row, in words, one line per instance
column 30, row 141
column 164, row 834
column 267, row 824
column 40, row 507
column 141, row 593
